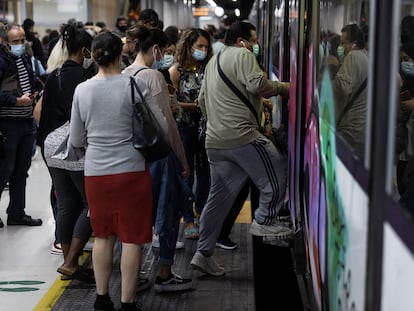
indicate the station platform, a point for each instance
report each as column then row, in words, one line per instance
column 234, row 291
column 29, row 281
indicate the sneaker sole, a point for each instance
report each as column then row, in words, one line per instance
column 256, row 230
column 229, row 248
column 173, row 287
column 201, row 269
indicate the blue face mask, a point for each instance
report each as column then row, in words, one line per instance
column 256, row 49
column 341, row 53
column 167, row 61
column 199, row 55
column 408, row 68
column 17, row 49
column 157, row 63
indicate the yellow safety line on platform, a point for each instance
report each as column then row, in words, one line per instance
column 56, row 290
column 245, row 215
column 59, row 286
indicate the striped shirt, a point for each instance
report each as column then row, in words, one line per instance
column 24, row 82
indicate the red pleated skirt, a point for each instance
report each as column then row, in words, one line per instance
column 121, row 205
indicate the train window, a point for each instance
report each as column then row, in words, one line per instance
column 344, row 57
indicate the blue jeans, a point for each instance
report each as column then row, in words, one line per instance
column 20, row 137
column 198, row 162
column 168, row 194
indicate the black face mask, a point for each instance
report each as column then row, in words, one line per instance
column 123, row 28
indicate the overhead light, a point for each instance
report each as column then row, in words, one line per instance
column 237, row 12
column 219, row 11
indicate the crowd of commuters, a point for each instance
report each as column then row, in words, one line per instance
column 85, row 103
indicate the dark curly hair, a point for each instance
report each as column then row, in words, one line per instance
column 183, row 54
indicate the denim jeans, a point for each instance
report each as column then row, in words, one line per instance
column 168, row 195
column 20, row 135
column 199, row 167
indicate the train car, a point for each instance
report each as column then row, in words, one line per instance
column 354, row 244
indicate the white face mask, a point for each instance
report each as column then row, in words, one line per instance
column 87, row 62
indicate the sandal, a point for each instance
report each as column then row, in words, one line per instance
column 80, row 274
column 191, row 232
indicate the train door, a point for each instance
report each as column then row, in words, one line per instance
column 332, row 175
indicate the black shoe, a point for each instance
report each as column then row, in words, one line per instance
column 26, row 220
column 174, row 283
column 135, row 306
column 227, row 244
column 1, row 224
column 103, row 303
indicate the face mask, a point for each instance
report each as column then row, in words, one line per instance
column 408, row 68
column 17, row 49
column 167, row 61
column 91, row 32
column 256, row 49
column 87, row 62
column 123, row 28
column 199, row 54
column 341, row 52
column 157, row 63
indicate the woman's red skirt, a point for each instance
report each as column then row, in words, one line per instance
column 121, row 205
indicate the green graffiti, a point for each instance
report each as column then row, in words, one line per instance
column 337, row 233
column 20, row 289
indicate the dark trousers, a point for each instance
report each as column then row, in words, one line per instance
column 20, row 135
column 197, row 160
column 72, row 218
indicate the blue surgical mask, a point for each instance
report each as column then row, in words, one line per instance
column 256, row 49
column 157, row 63
column 199, row 54
column 341, row 52
column 167, row 61
column 408, row 68
column 17, row 49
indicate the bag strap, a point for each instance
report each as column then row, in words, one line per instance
column 236, row 90
column 134, row 85
column 139, row 70
column 352, row 100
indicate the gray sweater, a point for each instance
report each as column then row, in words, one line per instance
column 102, row 120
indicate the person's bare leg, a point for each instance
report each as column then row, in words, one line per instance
column 71, row 259
column 102, row 255
column 130, row 267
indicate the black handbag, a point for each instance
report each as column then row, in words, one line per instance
column 147, row 135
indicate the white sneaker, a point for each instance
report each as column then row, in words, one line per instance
column 207, row 265
column 56, row 249
column 275, row 229
column 156, row 242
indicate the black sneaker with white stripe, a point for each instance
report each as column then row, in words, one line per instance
column 227, row 244
column 174, row 283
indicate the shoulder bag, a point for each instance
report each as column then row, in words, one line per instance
column 147, row 135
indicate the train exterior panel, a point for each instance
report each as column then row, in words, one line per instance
column 357, row 239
